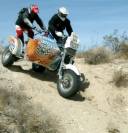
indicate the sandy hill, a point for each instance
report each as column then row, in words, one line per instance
column 100, row 108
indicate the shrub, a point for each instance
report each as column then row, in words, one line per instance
column 115, row 40
column 120, row 78
column 97, row 56
column 117, row 43
column 1, row 49
column 123, row 52
column 80, row 54
column 18, row 115
column 113, row 130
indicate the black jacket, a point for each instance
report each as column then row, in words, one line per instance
column 56, row 24
column 24, row 14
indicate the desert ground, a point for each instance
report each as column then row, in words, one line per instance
column 100, row 106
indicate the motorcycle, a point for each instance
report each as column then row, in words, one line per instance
column 43, row 54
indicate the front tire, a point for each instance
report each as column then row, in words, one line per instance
column 7, row 57
column 68, row 86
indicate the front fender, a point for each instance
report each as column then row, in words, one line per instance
column 17, row 45
column 73, row 68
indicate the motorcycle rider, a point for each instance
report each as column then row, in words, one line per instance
column 25, row 19
column 58, row 23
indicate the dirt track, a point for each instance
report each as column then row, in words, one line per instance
column 101, row 108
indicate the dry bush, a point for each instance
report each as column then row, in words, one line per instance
column 1, row 49
column 80, row 54
column 113, row 130
column 118, row 43
column 123, row 52
column 120, row 78
column 97, row 56
column 17, row 115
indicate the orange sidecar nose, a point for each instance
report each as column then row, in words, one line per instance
column 34, row 55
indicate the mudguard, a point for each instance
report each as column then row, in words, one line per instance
column 73, row 68
column 17, row 50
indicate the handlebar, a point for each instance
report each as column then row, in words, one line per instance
column 39, row 31
column 43, row 33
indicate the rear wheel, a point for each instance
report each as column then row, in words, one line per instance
column 7, row 58
column 37, row 68
column 68, row 86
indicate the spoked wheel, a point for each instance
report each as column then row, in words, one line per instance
column 37, row 68
column 68, row 86
column 7, row 58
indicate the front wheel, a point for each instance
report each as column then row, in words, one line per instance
column 7, row 57
column 69, row 84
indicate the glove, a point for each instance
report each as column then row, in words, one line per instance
column 33, row 27
column 59, row 34
column 43, row 28
column 46, row 33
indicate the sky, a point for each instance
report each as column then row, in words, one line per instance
column 90, row 19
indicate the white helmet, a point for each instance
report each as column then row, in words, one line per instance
column 62, row 13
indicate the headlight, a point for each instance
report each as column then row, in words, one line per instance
column 72, row 42
column 74, row 45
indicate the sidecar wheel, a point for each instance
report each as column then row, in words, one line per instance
column 7, row 57
column 68, row 86
column 37, row 68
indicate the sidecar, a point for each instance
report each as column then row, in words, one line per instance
column 43, row 53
